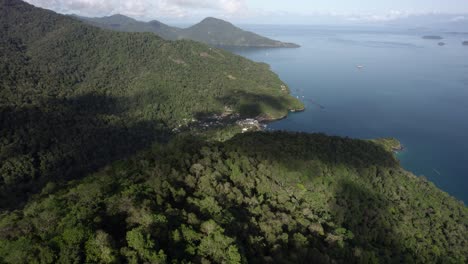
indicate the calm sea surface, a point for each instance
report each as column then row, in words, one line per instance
column 408, row 88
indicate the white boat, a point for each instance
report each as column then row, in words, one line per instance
column 360, row 67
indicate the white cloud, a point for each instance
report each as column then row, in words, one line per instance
column 389, row 16
column 144, row 8
column 458, row 18
column 230, row 6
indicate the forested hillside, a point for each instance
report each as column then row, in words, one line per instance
column 92, row 171
column 258, row 198
column 218, row 32
column 74, row 97
column 123, row 23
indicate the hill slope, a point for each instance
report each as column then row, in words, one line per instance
column 74, row 97
column 218, row 32
column 212, row 31
column 258, row 198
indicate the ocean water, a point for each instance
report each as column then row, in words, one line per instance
column 408, row 88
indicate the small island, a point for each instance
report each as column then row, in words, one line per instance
column 465, row 43
column 433, row 37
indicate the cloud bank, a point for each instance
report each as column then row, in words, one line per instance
column 182, row 11
column 143, row 8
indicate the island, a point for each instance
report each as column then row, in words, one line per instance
column 433, row 37
column 465, row 43
column 211, row 31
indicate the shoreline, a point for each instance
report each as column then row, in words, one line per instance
column 399, row 149
column 268, row 120
column 257, row 123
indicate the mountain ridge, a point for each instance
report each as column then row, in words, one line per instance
column 123, row 23
column 211, row 31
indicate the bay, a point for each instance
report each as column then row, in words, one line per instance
column 379, row 82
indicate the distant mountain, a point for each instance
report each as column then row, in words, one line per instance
column 218, row 32
column 126, row 24
column 212, row 31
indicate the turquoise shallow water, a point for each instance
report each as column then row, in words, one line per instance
column 408, row 88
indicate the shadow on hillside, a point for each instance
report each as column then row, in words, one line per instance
column 277, row 146
column 64, row 139
column 366, row 213
column 361, row 211
column 249, row 104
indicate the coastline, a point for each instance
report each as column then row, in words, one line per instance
column 223, row 121
column 415, row 148
column 283, row 45
column 267, row 120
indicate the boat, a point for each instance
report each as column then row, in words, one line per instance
column 360, row 67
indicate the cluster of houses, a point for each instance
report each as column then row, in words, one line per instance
column 214, row 121
column 250, row 124
column 221, row 120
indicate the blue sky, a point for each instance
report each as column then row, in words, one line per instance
column 260, row 11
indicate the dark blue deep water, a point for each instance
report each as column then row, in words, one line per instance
column 409, row 88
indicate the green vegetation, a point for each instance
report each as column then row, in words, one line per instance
column 389, row 144
column 74, row 97
column 217, row 32
column 259, row 197
column 126, row 24
column 91, row 172
column 212, row 31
